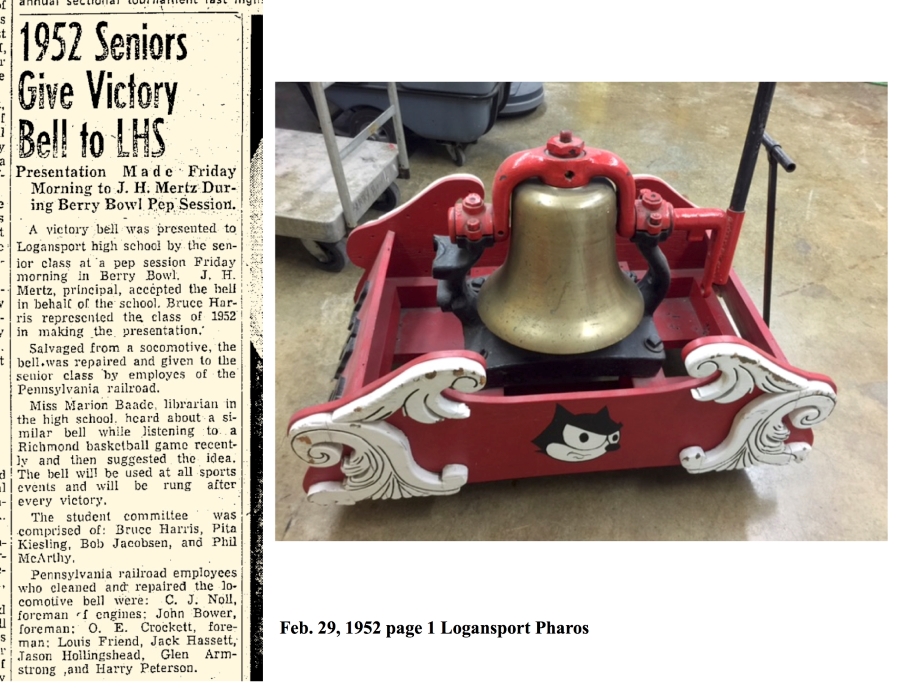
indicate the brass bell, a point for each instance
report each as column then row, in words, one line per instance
column 560, row 290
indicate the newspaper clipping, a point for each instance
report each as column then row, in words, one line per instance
column 129, row 324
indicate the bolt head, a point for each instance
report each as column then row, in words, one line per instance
column 650, row 199
column 473, row 204
column 565, row 145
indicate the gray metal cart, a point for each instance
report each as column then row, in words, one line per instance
column 455, row 114
column 321, row 191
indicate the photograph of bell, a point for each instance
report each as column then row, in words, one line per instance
column 560, row 290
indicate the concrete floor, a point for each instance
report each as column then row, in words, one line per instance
column 829, row 316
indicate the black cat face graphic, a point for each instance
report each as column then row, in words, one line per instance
column 579, row 437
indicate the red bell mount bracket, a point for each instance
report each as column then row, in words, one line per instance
column 566, row 163
column 413, row 414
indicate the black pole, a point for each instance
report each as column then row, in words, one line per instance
column 776, row 156
column 751, row 145
column 770, row 236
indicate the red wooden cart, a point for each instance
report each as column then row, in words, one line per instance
column 415, row 412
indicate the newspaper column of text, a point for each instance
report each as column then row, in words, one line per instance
column 122, row 342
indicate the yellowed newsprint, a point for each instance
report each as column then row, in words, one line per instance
column 130, row 152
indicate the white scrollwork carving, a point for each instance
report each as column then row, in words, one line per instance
column 375, row 456
column 758, row 433
column 417, row 391
column 741, row 369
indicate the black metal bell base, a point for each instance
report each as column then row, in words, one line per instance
column 641, row 354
